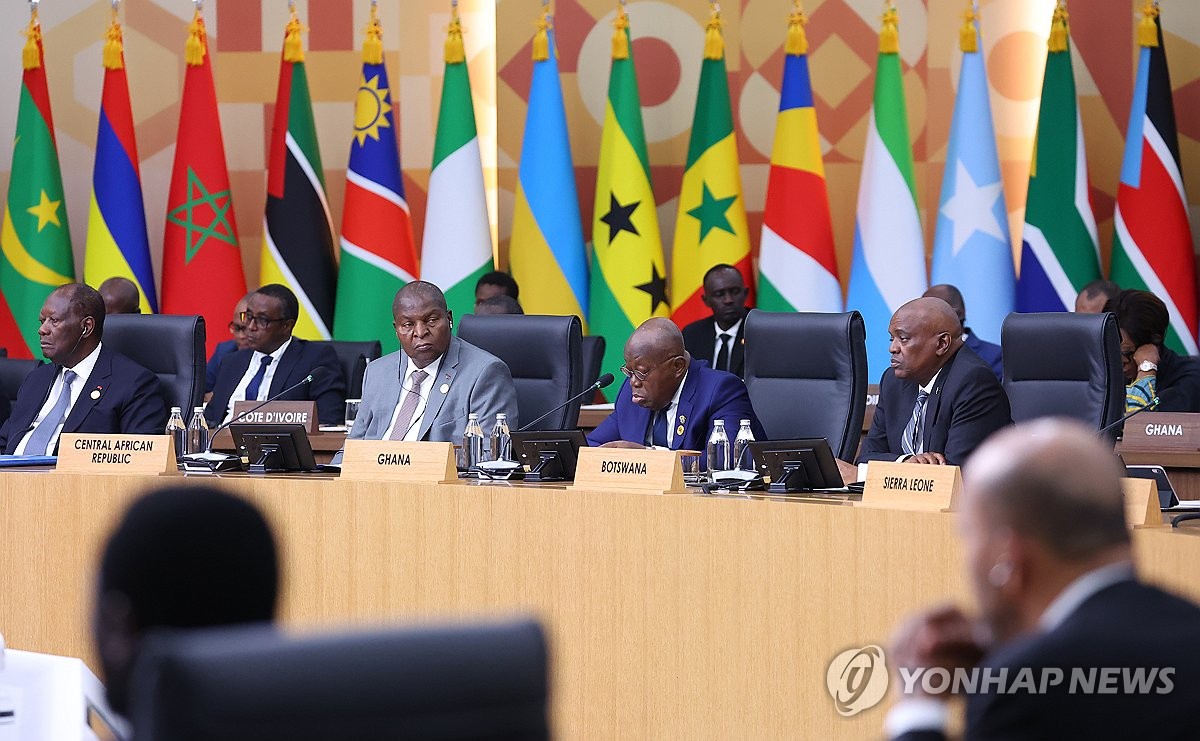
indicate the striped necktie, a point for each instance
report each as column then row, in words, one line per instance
column 913, row 442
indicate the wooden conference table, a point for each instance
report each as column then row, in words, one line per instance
column 669, row 616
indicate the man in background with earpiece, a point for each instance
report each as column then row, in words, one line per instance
column 86, row 387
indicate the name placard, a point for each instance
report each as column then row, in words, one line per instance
column 911, row 486
column 646, row 470
column 279, row 413
column 1142, row 508
column 120, row 454
column 395, row 460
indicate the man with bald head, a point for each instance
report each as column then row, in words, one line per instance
column 121, row 296
column 1042, row 515
column 670, row 399
column 938, row 400
column 989, row 352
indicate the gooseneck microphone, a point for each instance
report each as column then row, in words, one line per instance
column 602, row 382
column 1148, row 406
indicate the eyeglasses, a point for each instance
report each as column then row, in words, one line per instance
column 258, row 319
column 641, row 376
column 235, row 328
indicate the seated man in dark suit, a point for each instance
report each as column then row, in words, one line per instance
column 938, row 401
column 721, row 338
column 496, row 283
column 989, row 352
column 240, row 341
column 1151, row 368
column 276, row 361
column 671, row 399
column 1051, row 565
column 121, row 296
column 85, row 387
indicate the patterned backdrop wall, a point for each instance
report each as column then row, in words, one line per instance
column 668, row 41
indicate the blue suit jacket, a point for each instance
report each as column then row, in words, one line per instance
column 707, row 395
column 328, row 388
column 988, row 353
column 210, row 370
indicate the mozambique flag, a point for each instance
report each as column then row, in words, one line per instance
column 200, row 244
column 35, row 241
column 797, row 265
column 711, row 225
column 1152, row 245
column 547, row 252
column 297, row 249
column 457, row 249
column 1060, row 252
column 628, row 284
column 116, row 238
column 378, row 253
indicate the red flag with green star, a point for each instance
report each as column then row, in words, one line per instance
column 202, row 260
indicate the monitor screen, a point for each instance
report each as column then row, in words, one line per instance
column 797, row 465
column 549, row 455
column 270, row 448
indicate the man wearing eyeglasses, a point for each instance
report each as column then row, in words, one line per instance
column 240, row 341
column 671, row 399
column 275, row 361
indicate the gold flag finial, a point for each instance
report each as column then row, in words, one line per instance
column 293, row 45
column 1059, row 29
column 889, row 34
column 31, row 53
column 455, row 52
column 966, row 34
column 797, row 40
column 114, row 43
column 620, row 39
column 541, row 39
column 373, row 42
column 714, row 42
column 1147, row 32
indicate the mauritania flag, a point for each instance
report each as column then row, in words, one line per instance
column 547, row 252
column 797, row 265
column 297, row 248
column 1060, row 253
column 971, row 248
column 117, row 244
column 629, row 283
column 35, row 240
column 457, row 248
column 889, row 250
column 1152, row 246
column 378, row 252
column 710, row 227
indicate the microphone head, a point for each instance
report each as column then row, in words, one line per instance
column 605, row 381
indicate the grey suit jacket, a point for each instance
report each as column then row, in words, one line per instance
column 470, row 380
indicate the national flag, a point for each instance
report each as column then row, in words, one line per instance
column 35, row 240
column 547, row 252
column 629, row 282
column 378, row 252
column 117, row 244
column 457, row 248
column 971, row 247
column 202, row 259
column 797, row 264
column 888, row 268
column 1060, row 253
column 1152, row 244
column 297, row 248
column 711, row 224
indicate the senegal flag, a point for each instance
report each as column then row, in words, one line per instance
column 35, row 240
column 628, row 283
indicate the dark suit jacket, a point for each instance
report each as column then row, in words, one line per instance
column 967, row 405
column 988, row 353
column 328, row 388
column 1179, row 375
column 700, row 338
column 210, row 369
column 707, row 395
column 130, row 401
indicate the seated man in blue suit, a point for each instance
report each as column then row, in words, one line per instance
column 240, row 341
column 671, row 399
column 988, row 351
column 86, row 387
column 276, row 361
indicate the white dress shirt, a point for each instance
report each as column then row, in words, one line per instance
column 732, row 332
column 425, row 389
column 264, row 389
column 83, row 371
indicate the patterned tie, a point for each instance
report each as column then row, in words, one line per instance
column 39, row 439
column 405, row 418
column 912, row 442
column 723, row 354
column 256, row 382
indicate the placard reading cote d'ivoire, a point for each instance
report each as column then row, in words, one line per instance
column 142, row 454
column 279, row 413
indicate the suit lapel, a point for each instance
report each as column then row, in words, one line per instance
column 934, row 405
column 286, row 363
column 441, row 388
column 91, row 393
column 683, row 415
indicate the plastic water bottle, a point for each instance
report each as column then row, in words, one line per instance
column 197, row 432
column 718, row 448
column 178, row 430
column 473, row 442
column 501, row 439
column 743, row 458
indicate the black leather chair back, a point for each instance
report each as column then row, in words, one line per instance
column 593, row 359
column 807, row 376
column 1061, row 364
column 168, row 345
column 12, row 374
column 353, row 358
column 545, row 355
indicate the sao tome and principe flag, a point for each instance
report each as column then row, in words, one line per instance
column 378, row 252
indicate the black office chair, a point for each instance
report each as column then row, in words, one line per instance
column 353, row 358
column 807, row 376
column 593, row 359
column 1061, row 364
column 12, row 374
column 545, row 356
column 168, row 345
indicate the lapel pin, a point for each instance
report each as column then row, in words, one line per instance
column 96, row 393
column 682, row 419
column 445, row 388
column 679, row 430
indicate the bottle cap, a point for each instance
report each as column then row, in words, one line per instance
column 199, row 409
column 501, row 415
column 472, row 415
column 719, row 422
column 745, row 422
column 176, row 410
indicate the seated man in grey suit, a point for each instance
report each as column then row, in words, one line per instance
column 443, row 378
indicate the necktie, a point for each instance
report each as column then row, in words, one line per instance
column 723, row 354
column 659, row 435
column 405, row 418
column 39, row 439
column 256, row 382
column 912, row 442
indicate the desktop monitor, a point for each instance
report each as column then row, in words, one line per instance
column 796, row 465
column 550, row 455
column 273, row 447
column 484, row 681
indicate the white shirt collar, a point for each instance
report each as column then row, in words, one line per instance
column 83, row 369
column 431, row 370
column 275, row 356
column 1080, row 590
column 732, row 331
column 928, row 388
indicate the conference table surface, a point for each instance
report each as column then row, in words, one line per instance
column 668, row 616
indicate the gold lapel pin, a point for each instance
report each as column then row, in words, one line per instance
column 682, row 418
column 679, row 430
column 445, row 388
